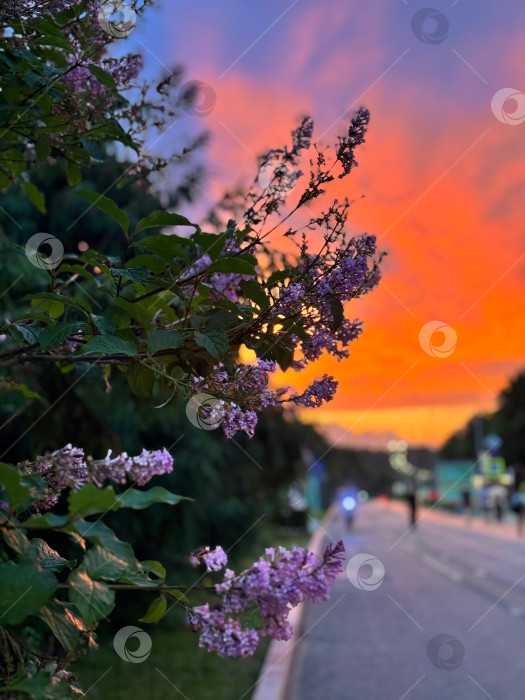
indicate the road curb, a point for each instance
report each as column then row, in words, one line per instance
column 275, row 673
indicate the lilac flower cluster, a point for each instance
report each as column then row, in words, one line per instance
column 123, row 71
column 139, row 469
column 29, row 9
column 325, row 284
column 317, row 393
column 223, row 285
column 249, row 385
column 223, row 634
column 68, row 468
column 274, row 584
column 214, row 559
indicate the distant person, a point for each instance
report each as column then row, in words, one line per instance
column 467, row 502
column 485, row 502
column 518, row 505
column 411, row 496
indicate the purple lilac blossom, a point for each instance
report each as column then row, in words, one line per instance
column 274, row 584
column 67, row 468
column 215, row 559
column 222, row 634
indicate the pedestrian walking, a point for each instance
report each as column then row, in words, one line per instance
column 518, row 506
column 467, row 502
column 411, row 496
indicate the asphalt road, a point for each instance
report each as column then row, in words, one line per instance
column 440, row 615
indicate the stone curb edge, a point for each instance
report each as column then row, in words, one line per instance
column 275, row 672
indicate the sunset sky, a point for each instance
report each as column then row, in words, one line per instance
column 443, row 179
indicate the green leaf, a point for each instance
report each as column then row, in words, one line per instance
column 161, row 218
column 278, row 276
column 110, row 345
column 164, row 340
column 64, row 622
column 132, row 498
column 24, row 588
column 167, row 247
column 211, row 243
column 40, row 686
column 8, row 385
column 99, row 533
column 48, row 521
column 94, row 600
column 15, row 484
column 242, row 265
column 101, row 563
column 215, row 342
column 76, row 303
column 102, row 76
column 179, row 595
column 54, row 335
column 107, row 205
column 155, row 567
column 155, row 611
column 149, row 261
column 135, row 274
column 54, row 40
column 48, row 558
column 16, row 539
column 94, row 149
column 141, row 379
column 104, row 325
column 74, row 174
column 35, row 196
column 253, row 290
column 90, row 500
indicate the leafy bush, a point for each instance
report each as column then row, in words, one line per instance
column 167, row 306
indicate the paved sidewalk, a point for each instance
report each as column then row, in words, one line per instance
column 447, row 621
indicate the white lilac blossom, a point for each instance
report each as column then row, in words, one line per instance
column 68, row 468
column 274, row 584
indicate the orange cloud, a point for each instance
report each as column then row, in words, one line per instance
column 444, row 193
